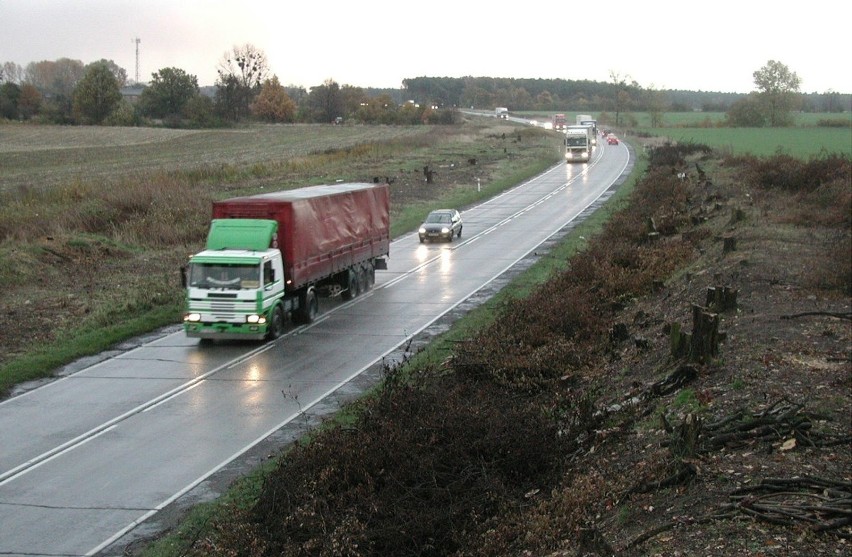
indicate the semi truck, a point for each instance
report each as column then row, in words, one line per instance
column 269, row 257
column 559, row 122
column 501, row 112
column 587, row 120
column 578, row 144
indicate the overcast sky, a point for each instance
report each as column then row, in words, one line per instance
column 708, row 46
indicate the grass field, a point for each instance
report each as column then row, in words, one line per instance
column 800, row 142
column 38, row 156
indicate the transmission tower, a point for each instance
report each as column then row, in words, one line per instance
column 137, row 40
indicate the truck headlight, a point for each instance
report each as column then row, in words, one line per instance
column 254, row 318
column 192, row 317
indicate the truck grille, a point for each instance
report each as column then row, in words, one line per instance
column 223, row 310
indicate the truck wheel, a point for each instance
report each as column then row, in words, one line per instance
column 362, row 279
column 351, row 285
column 371, row 276
column 276, row 325
column 308, row 307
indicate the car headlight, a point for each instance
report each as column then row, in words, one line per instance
column 444, row 230
column 254, row 318
column 422, row 230
column 192, row 317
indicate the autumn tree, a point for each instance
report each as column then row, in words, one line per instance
column 169, row 92
column 29, row 103
column 778, row 90
column 241, row 72
column 272, row 103
column 56, row 81
column 324, row 102
column 96, row 95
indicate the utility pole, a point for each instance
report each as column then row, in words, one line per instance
column 137, row 40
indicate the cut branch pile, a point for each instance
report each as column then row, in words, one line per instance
column 782, row 420
column 822, row 505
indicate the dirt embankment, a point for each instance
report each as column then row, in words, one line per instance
column 682, row 389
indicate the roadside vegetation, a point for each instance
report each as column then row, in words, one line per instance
column 577, row 419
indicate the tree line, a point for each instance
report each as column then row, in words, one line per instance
column 66, row 91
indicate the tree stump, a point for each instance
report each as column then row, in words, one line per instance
column 428, row 173
column 702, row 344
column 722, row 298
column 684, row 441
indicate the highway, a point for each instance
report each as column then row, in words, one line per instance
column 93, row 460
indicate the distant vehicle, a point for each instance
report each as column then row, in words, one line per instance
column 611, row 140
column 578, row 144
column 501, row 112
column 587, row 120
column 442, row 224
column 559, row 122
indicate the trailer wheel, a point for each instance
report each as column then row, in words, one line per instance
column 371, row 275
column 363, row 283
column 308, row 306
column 351, row 289
column 276, row 325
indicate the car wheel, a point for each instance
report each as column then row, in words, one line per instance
column 459, row 234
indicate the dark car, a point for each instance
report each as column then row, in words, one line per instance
column 442, row 224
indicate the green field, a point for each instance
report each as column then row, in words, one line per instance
column 799, row 142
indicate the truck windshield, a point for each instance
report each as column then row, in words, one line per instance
column 575, row 141
column 224, row 276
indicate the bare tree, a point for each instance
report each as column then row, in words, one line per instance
column 622, row 97
column 241, row 71
column 11, row 72
column 246, row 63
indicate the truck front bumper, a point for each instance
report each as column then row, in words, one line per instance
column 225, row 331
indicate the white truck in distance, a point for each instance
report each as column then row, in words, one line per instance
column 501, row 112
column 578, row 144
column 587, row 120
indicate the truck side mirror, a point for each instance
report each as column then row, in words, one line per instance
column 183, row 277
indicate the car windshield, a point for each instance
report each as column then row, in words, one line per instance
column 442, row 218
